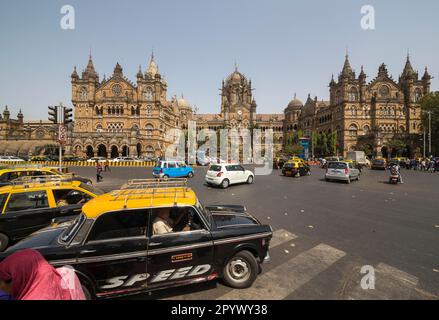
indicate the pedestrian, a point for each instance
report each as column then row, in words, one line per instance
column 98, row 171
column 423, row 165
column 107, row 166
column 26, row 275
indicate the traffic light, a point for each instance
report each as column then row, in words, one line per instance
column 53, row 114
column 68, row 115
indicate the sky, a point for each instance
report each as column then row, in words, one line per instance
column 283, row 46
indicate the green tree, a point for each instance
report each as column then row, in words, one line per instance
column 397, row 147
column 430, row 103
column 293, row 150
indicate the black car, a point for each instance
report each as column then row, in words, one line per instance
column 115, row 250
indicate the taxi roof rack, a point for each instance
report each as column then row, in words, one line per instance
column 42, row 180
column 26, row 166
column 150, row 189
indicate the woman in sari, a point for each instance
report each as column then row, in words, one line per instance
column 26, row 275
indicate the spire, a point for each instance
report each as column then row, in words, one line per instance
column 408, row 71
column 382, row 71
column 347, row 71
column 152, row 67
column 332, row 82
column 426, row 76
column 118, row 71
column 139, row 73
column 74, row 74
column 89, row 70
column 362, row 75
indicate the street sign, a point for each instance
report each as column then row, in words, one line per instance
column 62, row 134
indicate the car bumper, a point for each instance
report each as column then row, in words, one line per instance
column 214, row 180
column 158, row 175
column 341, row 177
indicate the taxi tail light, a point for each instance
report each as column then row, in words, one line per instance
column 161, row 170
column 346, row 171
column 219, row 174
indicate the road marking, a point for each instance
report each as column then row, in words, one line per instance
column 281, row 236
column 283, row 280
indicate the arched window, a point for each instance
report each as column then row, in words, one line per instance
column 353, row 94
column 353, row 131
column 148, row 94
column 135, row 128
column 148, row 111
column 149, row 130
column 418, row 95
column 366, row 129
column 83, row 93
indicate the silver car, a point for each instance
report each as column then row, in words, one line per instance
column 340, row 170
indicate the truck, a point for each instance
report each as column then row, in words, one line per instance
column 359, row 157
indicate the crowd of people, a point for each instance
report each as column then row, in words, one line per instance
column 425, row 164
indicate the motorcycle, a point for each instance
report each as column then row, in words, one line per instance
column 394, row 179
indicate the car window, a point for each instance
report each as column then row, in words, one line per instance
column 27, row 201
column 215, row 168
column 120, row 224
column 4, row 177
column 68, row 197
column 230, row 168
column 337, row 165
column 172, row 165
column 3, row 198
column 168, row 221
column 239, row 168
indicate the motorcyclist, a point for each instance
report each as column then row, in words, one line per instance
column 396, row 170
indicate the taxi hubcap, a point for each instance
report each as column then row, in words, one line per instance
column 239, row 270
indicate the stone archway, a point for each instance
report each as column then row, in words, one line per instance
column 102, row 151
column 125, row 151
column 139, row 150
column 114, row 152
column 89, row 151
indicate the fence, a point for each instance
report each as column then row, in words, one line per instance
column 82, row 163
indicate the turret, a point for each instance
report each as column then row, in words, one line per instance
column 20, row 116
column 6, row 113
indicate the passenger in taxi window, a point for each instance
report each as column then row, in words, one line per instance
column 163, row 223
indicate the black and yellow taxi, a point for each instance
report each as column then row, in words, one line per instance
column 27, row 206
column 152, row 235
column 10, row 173
column 296, row 168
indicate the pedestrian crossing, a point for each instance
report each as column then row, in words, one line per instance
column 278, row 282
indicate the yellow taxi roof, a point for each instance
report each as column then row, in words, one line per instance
column 139, row 198
column 39, row 185
column 18, row 168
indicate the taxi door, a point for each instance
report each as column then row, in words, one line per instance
column 114, row 253
column 179, row 257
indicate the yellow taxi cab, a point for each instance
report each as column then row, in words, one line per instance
column 296, row 168
column 27, row 206
column 154, row 234
column 296, row 159
column 11, row 173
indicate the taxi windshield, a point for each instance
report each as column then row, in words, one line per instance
column 205, row 212
column 91, row 189
column 68, row 235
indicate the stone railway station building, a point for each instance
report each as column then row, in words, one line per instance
column 117, row 117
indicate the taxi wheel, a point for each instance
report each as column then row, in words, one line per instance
column 250, row 179
column 190, row 175
column 165, row 177
column 225, row 183
column 4, row 241
column 241, row 270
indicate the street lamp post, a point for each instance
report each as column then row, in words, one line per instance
column 429, row 133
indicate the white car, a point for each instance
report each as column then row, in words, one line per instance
column 225, row 174
column 11, row 159
column 124, row 159
column 94, row 159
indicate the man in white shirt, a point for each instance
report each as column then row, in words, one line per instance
column 163, row 223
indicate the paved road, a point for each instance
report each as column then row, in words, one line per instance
column 325, row 232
